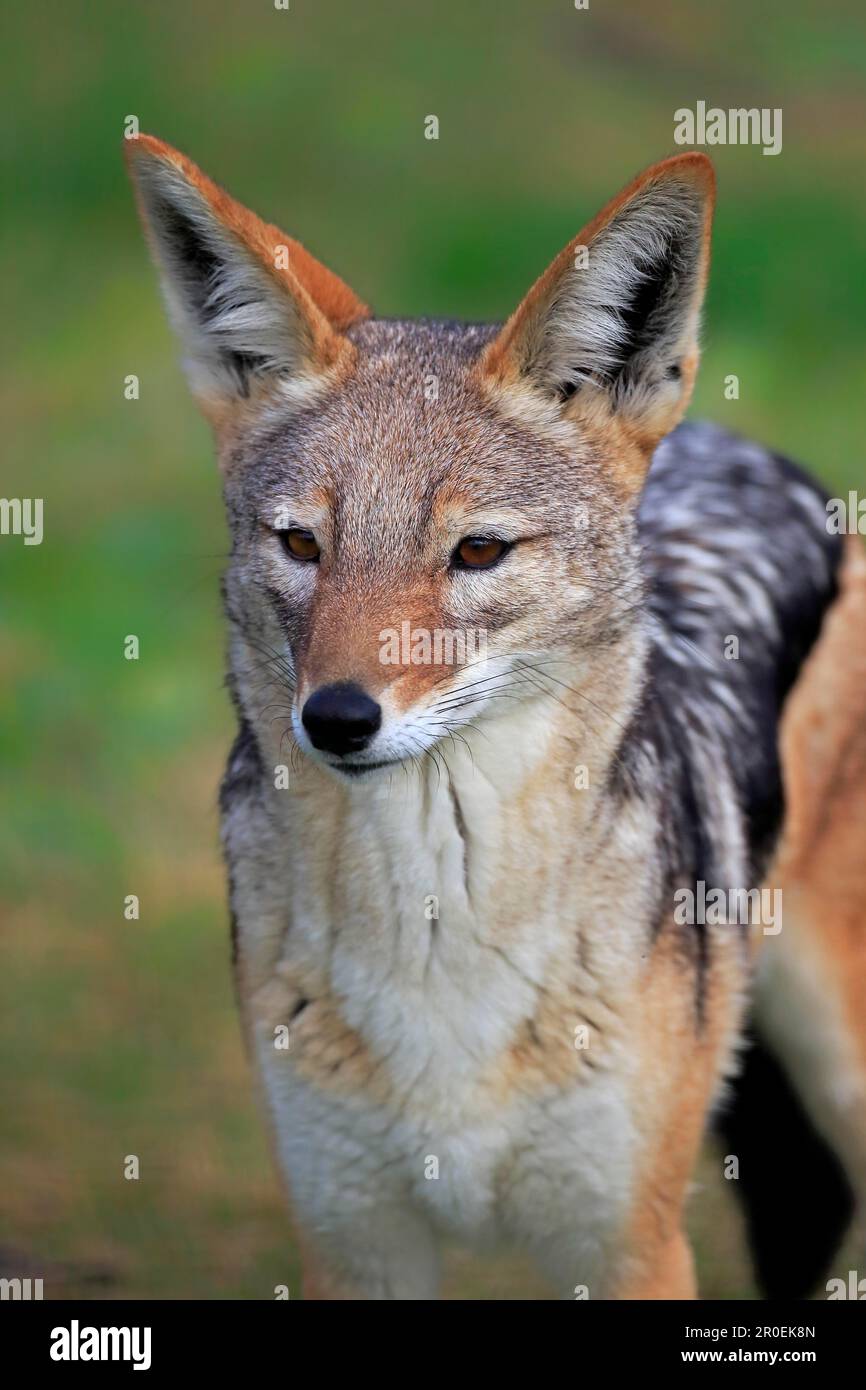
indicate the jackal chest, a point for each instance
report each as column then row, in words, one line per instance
column 423, row 964
column 434, row 992
column 476, row 1169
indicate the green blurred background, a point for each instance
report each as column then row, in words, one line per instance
column 120, row 1037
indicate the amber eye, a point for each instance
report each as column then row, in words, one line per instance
column 301, row 545
column 478, row 552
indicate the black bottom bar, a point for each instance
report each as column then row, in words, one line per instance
column 221, row 1337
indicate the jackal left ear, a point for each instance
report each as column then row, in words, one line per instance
column 612, row 324
column 250, row 304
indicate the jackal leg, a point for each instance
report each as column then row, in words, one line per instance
column 811, row 992
column 667, row 1271
column 377, row 1255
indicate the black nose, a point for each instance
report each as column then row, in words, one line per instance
column 340, row 718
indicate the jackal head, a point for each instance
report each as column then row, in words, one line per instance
column 428, row 519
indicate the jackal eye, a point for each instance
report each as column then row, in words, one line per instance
column 301, row 545
column 478, row 553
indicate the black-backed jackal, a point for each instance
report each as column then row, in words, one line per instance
column 498, row 921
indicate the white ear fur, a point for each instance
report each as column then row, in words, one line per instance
column 248, row 302
column 618, row 310
column 233, row 318
column 591, row 332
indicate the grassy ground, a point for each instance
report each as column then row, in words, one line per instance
column 119, row 1037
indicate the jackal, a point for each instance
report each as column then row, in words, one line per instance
column 473, row 1010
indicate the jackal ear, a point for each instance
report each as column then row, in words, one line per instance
column 248, row 302
column 612, row 324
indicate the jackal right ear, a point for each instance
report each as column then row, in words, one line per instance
column 611, row 327
column 248, row 303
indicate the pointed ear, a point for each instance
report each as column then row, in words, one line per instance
column 249, row 303
column 612, row 325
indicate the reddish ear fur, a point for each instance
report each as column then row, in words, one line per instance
column 328, row 304
column 505, row 356
column 574, row 333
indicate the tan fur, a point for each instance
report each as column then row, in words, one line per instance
column 677, row 1074
column 345, row 638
